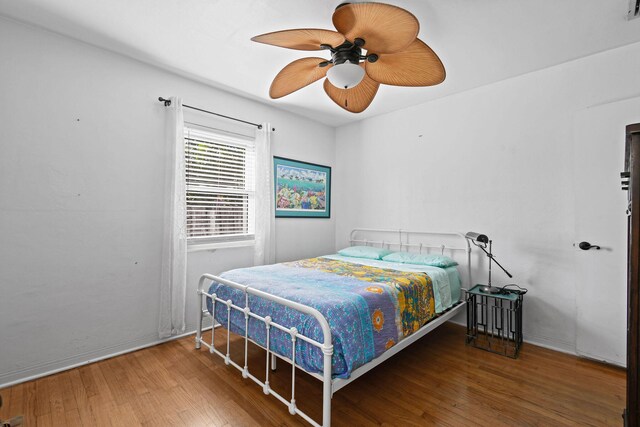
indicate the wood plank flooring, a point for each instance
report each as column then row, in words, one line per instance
column 436, row 381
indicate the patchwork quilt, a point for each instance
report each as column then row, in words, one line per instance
column 369, row 309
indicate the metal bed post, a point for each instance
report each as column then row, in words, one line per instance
column 200, row 314
column 327, row 384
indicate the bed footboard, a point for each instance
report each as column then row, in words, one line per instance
column 326, row 346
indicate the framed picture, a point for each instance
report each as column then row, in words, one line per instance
column 302, row 190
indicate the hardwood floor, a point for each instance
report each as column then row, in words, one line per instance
column 436, row 381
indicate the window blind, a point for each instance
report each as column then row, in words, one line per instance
column 220, row 183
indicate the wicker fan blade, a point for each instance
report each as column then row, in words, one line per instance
column 383, row 27
column 301, row 39
column 417, row 65
column 356, row 99
column 298, row 74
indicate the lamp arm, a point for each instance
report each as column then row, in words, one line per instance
column 494, row 260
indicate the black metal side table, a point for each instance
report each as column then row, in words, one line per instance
column 494, row 321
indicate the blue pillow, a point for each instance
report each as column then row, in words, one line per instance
column 368, row 252
column 421, row 259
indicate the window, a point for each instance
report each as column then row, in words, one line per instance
column 220, row 186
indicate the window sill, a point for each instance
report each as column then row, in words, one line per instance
column 197, row 247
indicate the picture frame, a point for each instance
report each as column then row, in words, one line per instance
column 301, row 189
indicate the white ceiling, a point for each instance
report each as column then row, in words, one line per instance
column 479, row 41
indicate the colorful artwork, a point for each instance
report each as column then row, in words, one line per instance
column 301, row 189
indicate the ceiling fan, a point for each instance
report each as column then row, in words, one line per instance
column 394, row 55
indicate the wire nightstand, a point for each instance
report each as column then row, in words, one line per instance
column 494, row 321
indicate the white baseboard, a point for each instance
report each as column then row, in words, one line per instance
column 553, row 345
column 559, row 346
column 42, row 370
column 49, row 368
column 563, row 347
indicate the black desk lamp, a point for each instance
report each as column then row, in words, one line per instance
column 481, row 241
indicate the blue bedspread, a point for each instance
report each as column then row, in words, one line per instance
column 369, row 309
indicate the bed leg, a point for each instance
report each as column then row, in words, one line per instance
column 199, row 330
column 326, row 386
column 274, row 359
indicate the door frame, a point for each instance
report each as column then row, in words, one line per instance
column 632, row 165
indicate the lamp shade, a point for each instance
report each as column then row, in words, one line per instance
column 477, row 237
column 345, row 75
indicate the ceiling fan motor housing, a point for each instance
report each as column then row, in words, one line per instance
column 346, row 52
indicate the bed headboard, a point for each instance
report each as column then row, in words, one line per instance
column 446, row 243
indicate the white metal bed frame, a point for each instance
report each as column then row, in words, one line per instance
column 404, row 240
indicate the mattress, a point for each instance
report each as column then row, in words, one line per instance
column 370, row 305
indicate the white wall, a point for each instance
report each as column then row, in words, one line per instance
column 81, row 197
column 499, row 160
column 81, row 188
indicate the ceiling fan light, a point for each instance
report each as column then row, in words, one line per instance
column 345, row 75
